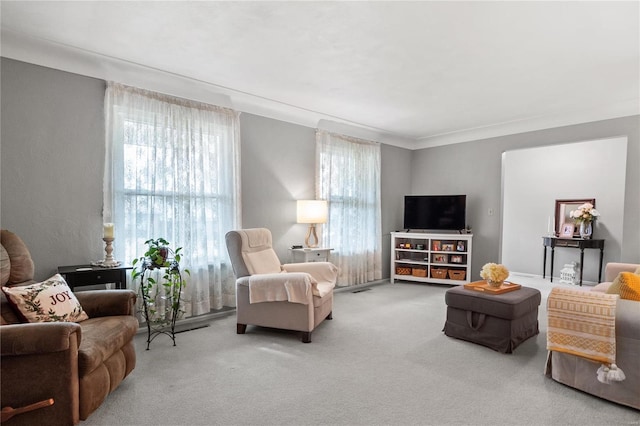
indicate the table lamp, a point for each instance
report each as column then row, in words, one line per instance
column 312, row 212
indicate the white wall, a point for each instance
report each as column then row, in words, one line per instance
column 534, row 178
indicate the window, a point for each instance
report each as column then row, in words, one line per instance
column 171, row 172
column 348, row 171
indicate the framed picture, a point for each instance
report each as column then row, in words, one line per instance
column 447, row 247
column 563, row 208
column 567, row 230
column 460, row 246
column 436, row 246
column 456, row 259
column 439, row 258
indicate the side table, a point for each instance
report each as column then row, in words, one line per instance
column 303, row 255
column 84, row 275
column 577, row 243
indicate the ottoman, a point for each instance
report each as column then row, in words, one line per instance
column 498, row 321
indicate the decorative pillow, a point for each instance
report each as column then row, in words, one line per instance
column 21, row 263
column 5, row 266
column 48, row 301
column 630, row 287
column 614, row 288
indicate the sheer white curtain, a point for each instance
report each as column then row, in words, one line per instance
column 172, row 171
column 348, row 176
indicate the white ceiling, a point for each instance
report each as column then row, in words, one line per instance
column 417, row 74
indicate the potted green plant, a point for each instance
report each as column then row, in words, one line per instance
column 160, row 318
column 157, row 252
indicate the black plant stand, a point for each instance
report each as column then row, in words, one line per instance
column 173, row 289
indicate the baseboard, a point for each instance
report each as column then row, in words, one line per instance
column 203, row 320
column 192, row 323
column 547, row 278
column 360, row 286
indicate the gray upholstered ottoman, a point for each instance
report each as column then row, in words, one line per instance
column 498, row 321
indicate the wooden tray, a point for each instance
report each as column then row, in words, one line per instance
column 484, row 287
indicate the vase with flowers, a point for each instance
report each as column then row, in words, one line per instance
column 584, row 216
column 494, row 274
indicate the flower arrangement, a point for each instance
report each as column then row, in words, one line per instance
column 584, row 213
column 494, row 272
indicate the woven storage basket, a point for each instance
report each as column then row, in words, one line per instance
column 419, row 272
column 438, row 272
column 456, row 274
column 403, row 270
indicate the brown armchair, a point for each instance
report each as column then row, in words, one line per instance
column 75, row 364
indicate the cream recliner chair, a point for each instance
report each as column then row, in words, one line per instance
column 294, row 296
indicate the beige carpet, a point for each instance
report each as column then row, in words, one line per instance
column 382, row 360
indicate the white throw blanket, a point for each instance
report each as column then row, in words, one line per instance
column 292, row 287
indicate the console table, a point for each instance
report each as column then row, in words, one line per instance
column 578, row 243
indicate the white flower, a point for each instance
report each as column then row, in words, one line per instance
column 494, row 272
column 584, row 213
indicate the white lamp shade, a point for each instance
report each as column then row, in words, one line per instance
column 312, row 211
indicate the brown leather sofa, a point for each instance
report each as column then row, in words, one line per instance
column 75, row 364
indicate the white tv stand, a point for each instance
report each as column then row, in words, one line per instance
column 425, row 257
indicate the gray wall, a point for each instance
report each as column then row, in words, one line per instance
column 474, row 169
column 53, row 158
column 278, row 168
column 52, row 164
column 395, row 184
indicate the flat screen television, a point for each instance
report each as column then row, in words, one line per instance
column 435, row 212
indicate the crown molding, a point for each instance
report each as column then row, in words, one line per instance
column 71, row 59
column 605, row 112
column 77, row 61
column 87, row 63
column 365, row 133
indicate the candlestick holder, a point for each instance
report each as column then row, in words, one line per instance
column 108, row 261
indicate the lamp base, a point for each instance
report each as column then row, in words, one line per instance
column 311, row 234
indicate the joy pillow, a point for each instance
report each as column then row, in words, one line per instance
column 48, row 301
